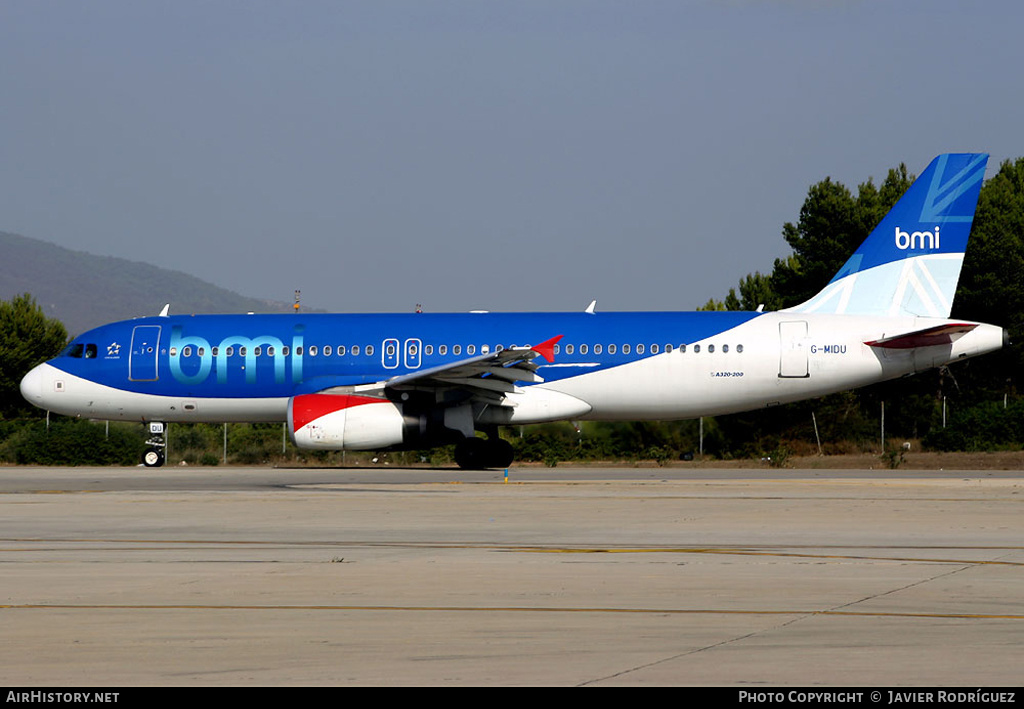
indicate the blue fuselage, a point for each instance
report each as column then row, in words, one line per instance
column 241, row 356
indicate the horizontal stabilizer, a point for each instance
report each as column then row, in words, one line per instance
column 938, row 335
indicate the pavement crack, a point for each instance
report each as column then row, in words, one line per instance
column 779, row 626
column 905, row 587
column 694, row 651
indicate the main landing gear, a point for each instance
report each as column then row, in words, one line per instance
column 482, row 453
column 154, row 455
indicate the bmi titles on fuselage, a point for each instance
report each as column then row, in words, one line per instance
column 249, row 347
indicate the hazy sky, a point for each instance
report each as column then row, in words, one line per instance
column 506, row 155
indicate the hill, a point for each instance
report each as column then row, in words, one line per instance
column 83, row 290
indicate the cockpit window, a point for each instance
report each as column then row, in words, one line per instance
column 79, row 350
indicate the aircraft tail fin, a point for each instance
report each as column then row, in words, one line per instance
column 910, row 263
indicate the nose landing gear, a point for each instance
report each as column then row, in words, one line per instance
column 154, row 455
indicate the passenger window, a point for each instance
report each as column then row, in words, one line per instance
column 231, row 351
column 428, row 350
column 312, row 350
column 584, row 349
column 639, row 349
column 471, row 349
column 696, row 348
column 442, row 350
column 711, row 348
column 654, row 349
column 625, row 349
column 611, row 349
column 725, row 348
column 597, row 349
column 569, row 349
column 355, row 350
column 285, row 350
column 739, row 348
column 682, row 348
column 369, row 350
column 186, row 351
column 341, row 350
column 270, row 350
column 457, row 350
column 668, row 348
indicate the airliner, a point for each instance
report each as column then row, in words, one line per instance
column 419, row 380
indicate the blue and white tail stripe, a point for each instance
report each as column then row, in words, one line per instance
column 910, row 264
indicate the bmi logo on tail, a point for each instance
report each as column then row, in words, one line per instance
column 916, row 240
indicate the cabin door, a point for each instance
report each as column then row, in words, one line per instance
column 142, row 361
column 793, row 349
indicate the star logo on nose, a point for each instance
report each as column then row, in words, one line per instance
column 113, row 349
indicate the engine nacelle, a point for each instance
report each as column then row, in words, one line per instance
column 352, row 422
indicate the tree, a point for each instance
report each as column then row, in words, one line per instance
column 832, row 224
column 991, row 289
column 714, row 305
column 27, row 338
column 755, row 291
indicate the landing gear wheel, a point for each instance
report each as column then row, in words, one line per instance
column 480, row 454
column 500, row 453
column 153, row 458
column 471, row 454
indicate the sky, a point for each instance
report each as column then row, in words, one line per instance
column 507, row 156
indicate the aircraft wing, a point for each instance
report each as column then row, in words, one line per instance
column 490, row 375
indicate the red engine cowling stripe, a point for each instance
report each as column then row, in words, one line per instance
column 309, row 407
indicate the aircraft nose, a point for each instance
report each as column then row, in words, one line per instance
column 32, row 386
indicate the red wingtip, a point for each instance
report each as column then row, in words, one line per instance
column 546, row 349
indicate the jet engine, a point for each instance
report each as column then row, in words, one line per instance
column 352, row 422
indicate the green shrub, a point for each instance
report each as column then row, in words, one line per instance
column 74, row 442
